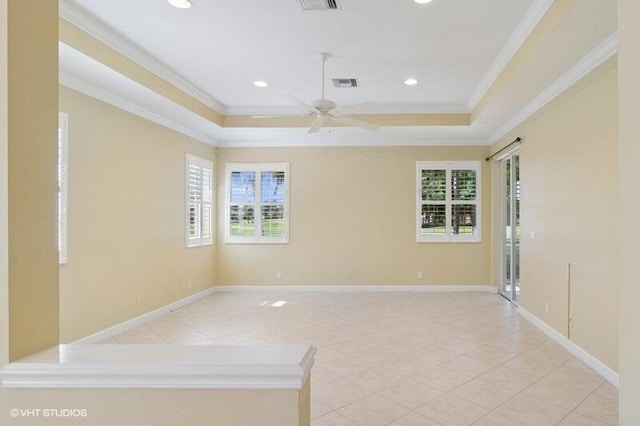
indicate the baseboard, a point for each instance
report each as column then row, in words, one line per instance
column 144, row 318
column 584, row 356
column 359, row 288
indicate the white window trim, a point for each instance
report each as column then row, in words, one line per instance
column 199, row 240
column 257, row 168
column 449, row 166
column 63, row 177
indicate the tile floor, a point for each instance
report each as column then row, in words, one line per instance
column 405, row 358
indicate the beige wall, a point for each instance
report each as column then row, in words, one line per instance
column 353, row 222
column 32, row 103
column 4, row 162
column 126, row 218
column 569, row 180
column 629, row 233
column 161, row 407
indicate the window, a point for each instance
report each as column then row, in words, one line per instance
column 448, row 201
column 62, row 186
column 257, row 203
column 199, row 201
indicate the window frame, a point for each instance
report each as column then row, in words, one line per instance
column 449, row 166
column 199, row 240
column 63, row 190
column 257, row 168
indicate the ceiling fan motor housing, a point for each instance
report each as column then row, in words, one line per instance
column 324, row 105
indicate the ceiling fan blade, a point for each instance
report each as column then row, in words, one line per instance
column 354, row 122
column 301, row 102
column 317, row 124
column 355, row 108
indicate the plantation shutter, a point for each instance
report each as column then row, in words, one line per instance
column 199, row 201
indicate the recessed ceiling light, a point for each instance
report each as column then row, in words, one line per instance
column 411, row 82
column 180, row 4
column 422, row 1
column 260, row 83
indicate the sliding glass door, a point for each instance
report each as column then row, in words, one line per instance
column 510, row 177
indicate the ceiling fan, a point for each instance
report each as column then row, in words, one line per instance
column 324, row 109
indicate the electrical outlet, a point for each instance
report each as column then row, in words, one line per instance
column 570, row 321
column 420, row 275
column 546, row 308
column 138, row 300
column 278, row 275
column 189, row 284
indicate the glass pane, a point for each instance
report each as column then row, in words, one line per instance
column 273, row 221
column 433, row 219
column 506, row 281
column 242, row 221
column 194, row 221
column 434, row 185
column 463, row 185
column 463, row 219
column 206, row 221
column 273, row 189
column 195, row 182
column 207, row 178
column 516, row 229
column 243, row 187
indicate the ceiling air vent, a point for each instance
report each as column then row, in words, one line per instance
column 344, row 83
column 319, row 4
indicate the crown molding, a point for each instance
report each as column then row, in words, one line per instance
column 71, row 12
column 374, row 109
column 604, row 51
column 75, row 83
column 522, row 32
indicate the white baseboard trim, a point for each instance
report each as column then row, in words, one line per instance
column 144, row 318
column 584, row 356
column 359, row 288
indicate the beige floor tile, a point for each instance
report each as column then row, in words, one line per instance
column 373, row 410
column 318, row 409
column 451, row 410
column 532, row 412
column 469, row 366
column 353, row 364
column 566, row 396
column 578, row 378
column 575, row 419
column 535, row 366
column 399, row 345
column 508, row 378
column 551, row 351
column 436, row 354
column 332, row 419
column 380, row 377
column 492, row 355
column 495, row 419
column 338, row 394
column 601, row 404
column 443, row 378
column 414, row 419
column 411, row 393
column 483, row 394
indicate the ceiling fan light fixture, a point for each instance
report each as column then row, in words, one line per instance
column 260, row 83
column 180, row 4
column 410, row 82
column 422, row 1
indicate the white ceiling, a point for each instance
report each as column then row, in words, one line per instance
column 454, row 48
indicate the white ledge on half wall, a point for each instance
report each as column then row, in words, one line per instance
column 163, row 366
